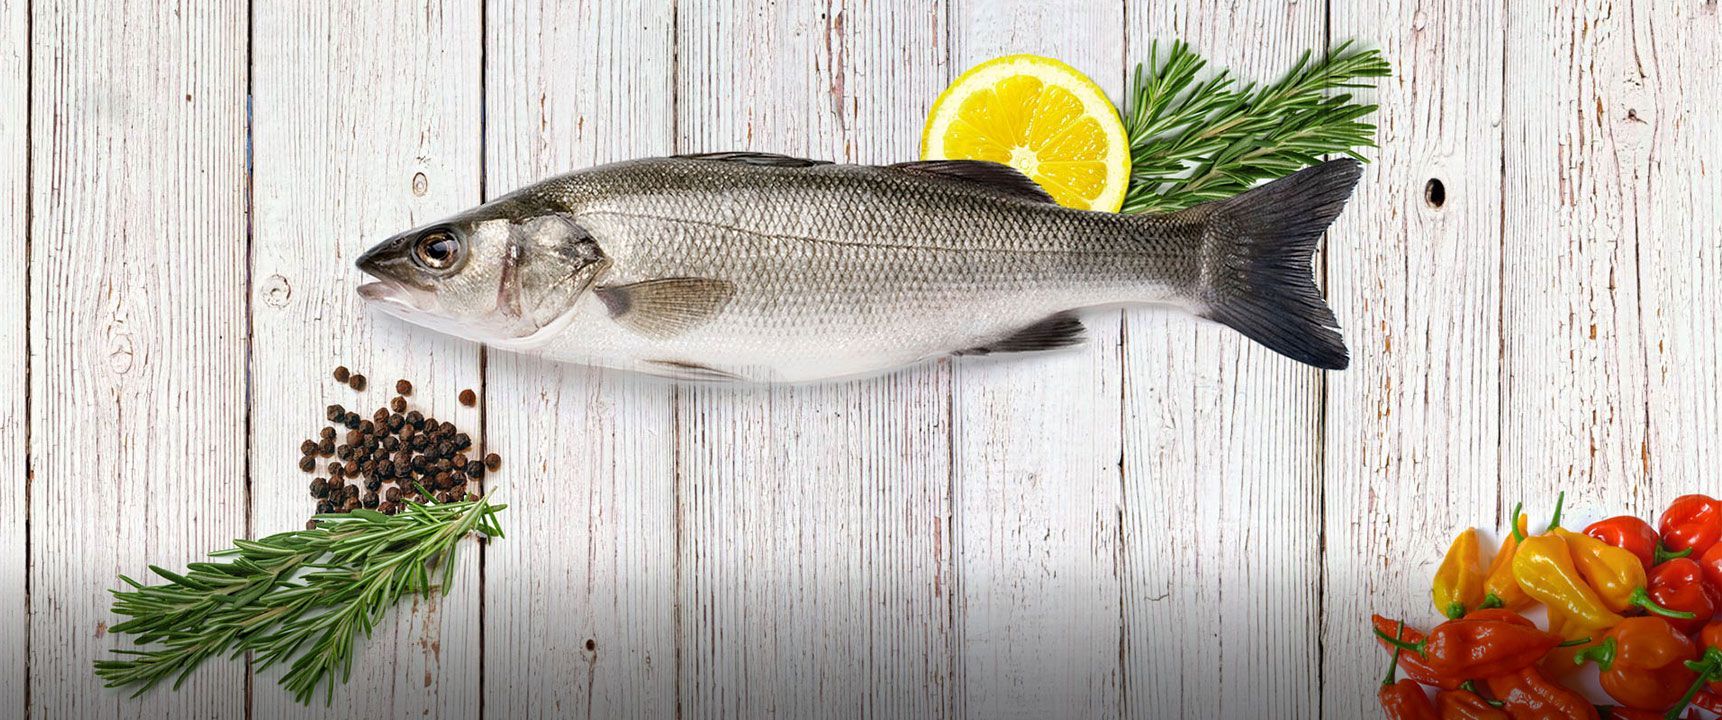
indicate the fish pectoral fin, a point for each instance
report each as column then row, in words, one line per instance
column 997, row 177
column 666, row 307
column 682, row 370
column 755, row 158
column 1056, row 331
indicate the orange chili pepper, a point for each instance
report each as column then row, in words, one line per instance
column 1466, row 705
column 1403, row 698
column 1527, row 694
column 1615, row 574
column 1458, row 585
column 1643, row 662
column 1470, row 648
column 1500, row 588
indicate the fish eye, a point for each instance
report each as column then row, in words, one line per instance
column 437, row 250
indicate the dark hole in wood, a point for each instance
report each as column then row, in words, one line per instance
column 1435, row 193
column 591, row 645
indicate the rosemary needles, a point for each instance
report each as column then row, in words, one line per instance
column 299, row 597
column 1192, row 141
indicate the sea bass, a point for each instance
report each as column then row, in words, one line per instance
column 757, row 267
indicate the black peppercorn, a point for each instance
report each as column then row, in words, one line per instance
column 416, row 419
column 327, row 447
column 370, row 500
column 468, row 397
column 335, row 413
column 342, row 373
column 319, row 487
column 309, row 447
column 307, row 463
column 399, row 404
column 327, row 433
column 458, row 461
column 474, row 470
column 325, row 507
column 393, row 494
column 402, row 387
column 492, row 462
column 356, row 382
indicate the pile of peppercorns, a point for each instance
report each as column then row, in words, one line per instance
column 395, row 457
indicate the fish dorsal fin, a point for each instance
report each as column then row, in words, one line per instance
column 756, row 158
column 668, row 306
column 1056, row 331
column 999, row 177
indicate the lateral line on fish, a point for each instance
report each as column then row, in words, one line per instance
column 840, row 243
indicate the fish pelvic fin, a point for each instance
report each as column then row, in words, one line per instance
column 1060, row 330
column 1256, row 252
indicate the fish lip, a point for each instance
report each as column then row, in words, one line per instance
column 383, row 292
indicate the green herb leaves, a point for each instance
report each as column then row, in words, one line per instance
column 298, row 596
column 1191, row 142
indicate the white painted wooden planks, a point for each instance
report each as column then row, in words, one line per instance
column 589, row 456
column 1413, row 426
column 814, row 561
column 366, row 124
column 1036, row 448
column 14, row 347
column 137, row 327
column 1222, row 474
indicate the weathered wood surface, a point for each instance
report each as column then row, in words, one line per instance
column 365, row 123
column 1168, row 521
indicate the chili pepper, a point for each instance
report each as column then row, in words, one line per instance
column 1458, row 586
column 1643, row 662
column 1528, row 695
column 1635, row 536
column 1403, row 698
column 1711, row 563
column 1412, row 665
column 1544, row 568
column 1466, row 705
column 1500, row 589
column 1679, row 584
column 1691, row 521
column 1559, row 662
column 1611, row 712
column 1465, row 648
column 1615, row 574
column 1707, row 701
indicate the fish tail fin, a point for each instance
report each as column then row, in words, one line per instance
column 1256, row 252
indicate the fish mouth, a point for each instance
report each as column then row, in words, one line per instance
column 382, row 292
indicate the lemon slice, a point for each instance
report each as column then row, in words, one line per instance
column 1043, row 118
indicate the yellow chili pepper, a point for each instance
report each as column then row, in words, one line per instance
column 1559, row 662
column 1614, row 573
column 1544, row 568
column 1458, row 586
column 1500, row 588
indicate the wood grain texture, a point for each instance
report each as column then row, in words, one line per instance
column 366, row 124
column 1222, row 457
column 137, row 328
column 580, row 600
column 814, row 563
column 1036, row 448
column 14, row 349
column 1413, row 426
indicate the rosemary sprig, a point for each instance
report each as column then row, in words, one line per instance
column 313, row 589
column 1192, row 141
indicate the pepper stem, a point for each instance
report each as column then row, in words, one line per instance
column 1491, row 601
column 1575, row 642
column 1642, row 599
column 1398, row 643
column 1560, row 502
column 1455, row 610
column 1393, row 666
column 1513, row 522
column 1602, row 654
column 1663, row 554
column 1709, row 667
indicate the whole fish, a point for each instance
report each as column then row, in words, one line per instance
column 749, row 266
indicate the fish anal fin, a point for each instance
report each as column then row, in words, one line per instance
column 998, row 177
column 755, row 158
column 666, row 307
column 1056, row 331
column 683, row 370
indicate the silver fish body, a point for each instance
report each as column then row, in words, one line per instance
column 764, row 268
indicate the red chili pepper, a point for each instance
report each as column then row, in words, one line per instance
column 1707, row 701
column 1708, row 668
column 1528, row 695
column 1404, row 698
column 1412, row 665
column 1691, row 521
column 1635, row 536
column 1626, row 713
column 1711, row 563
column 1469, row 648
column 1466, row 705
column 1679, row 585
column 1643, row 661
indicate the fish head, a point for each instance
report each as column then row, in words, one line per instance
column 492, row 274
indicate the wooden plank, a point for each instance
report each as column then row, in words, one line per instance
column 814, row 561
column 366, row 124
column 1222, row 458
column 1577, row 148
column 137, row 302
column 1036, row 447
column 590, row 455
column 14, row 337
column 1679, row 209
column 1413, row 426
